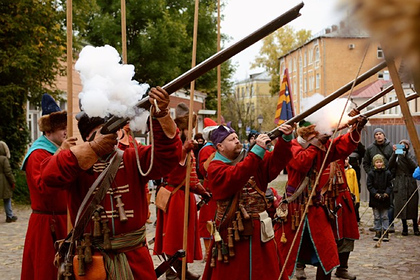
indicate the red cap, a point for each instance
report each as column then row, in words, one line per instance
column 209, row 122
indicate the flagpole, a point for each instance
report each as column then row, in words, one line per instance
column 189, row 137
column 219, row 70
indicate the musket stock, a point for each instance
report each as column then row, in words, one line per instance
column 115, row 123
column 276, row 133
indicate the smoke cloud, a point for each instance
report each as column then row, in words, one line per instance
column 108, row 88
column 326, row 118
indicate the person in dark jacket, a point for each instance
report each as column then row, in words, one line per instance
column 384, row 147
column 379, row 186
column 405, row 185
column 7, row 182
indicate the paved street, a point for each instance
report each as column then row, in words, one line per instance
column 398, row 259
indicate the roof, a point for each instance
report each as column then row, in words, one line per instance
column 370, row 90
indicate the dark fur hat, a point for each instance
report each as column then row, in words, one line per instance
column 86, row 124
column 52, row 117
column 182, row 115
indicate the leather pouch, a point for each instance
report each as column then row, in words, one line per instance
column 93, row 271
column 162, row 199
column 267, row 232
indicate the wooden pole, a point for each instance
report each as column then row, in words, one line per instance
column 123, row 32
column 189, row 167
column 412, row 132
column 69, row 83
column 219, row 70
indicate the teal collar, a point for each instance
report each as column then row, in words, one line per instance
column 41, row 143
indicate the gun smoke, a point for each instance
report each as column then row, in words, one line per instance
column 108, row 87
column 326, row 118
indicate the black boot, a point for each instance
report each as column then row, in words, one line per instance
column 320, row 275
column 405, row 227
column 386, row 238
column 342, row 271
column 377, row 235
column 416, row 228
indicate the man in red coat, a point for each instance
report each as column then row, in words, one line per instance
column 170, row 225
column 48, row 220
column 121, row 216
column 344, row 223
column 315, row 243
column 243, row 246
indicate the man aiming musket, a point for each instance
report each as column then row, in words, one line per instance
column 243, row 245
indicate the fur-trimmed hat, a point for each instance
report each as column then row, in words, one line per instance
column 86, row 124
column 307, row 131
column 182, row 115
column 52, row 117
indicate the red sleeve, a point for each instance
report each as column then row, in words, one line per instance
column 203, row 155
column 60, row 170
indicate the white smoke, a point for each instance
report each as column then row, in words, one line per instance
column 326, row 118
column 108, row 88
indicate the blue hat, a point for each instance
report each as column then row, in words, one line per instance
column 48, row 105
column 219, row 134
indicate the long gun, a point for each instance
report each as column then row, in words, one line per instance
column 378, row 110
column 374, row 98
column 115, row 123
column 276, row 133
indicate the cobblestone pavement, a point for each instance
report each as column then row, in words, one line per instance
column 398, row 259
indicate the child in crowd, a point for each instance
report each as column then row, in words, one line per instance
column 379, row 187
column 351, row 179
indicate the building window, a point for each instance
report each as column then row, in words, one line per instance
column 380, row 53
column 316, row 57
column 243, row 93
column 294, row 64
column 304, row 59
column 290, row 66
column 310, row 58
column 311, row 83
column 252, row 90
column 317, row 81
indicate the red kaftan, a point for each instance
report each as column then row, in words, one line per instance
column 38, row 252
column 63, row 170
column 170, row 225
column 345, row 224
column 252, row 256
column 316, row 222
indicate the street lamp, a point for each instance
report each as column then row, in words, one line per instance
column 240, row 126
column 260, row 120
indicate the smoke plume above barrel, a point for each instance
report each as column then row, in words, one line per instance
column 326, row 118
column 108, row 87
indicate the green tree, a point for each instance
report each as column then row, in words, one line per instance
column 159, row 38
column 276, row 45
column 33, row 43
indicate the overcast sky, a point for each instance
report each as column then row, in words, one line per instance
column 242, row 17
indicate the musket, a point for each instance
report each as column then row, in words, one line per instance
column 115, row 123
column 276, row 133
column 378, row 110
column 374, row 98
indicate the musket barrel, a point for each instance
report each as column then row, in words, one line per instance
column 374, row 98
column 276, row 133
column 378, row 110
column 115, row 123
